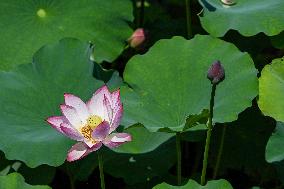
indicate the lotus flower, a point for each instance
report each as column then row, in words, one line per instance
column 91, row 124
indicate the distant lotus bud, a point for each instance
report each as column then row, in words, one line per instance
column 139, row 4
column 216, row 72
column 137, row 38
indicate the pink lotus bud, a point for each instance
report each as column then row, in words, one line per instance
column 137, row 38
column 216, row 72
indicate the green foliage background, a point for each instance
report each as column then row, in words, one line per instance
column 52, row 47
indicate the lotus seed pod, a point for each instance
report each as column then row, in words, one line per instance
column 137, row 38
column 216, row 72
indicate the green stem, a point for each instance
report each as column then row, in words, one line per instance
column 101, row 168
column 71, row 180
column 178, row 148
column 208, row 137
column 220, row 152
column 188, row 19
column 141, row 14
column 72, row 184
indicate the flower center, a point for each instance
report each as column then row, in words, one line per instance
column 87, row 132
column 92, row 122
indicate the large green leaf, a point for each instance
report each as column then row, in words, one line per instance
column 274, row 149
column 213, row 184
column 16, row 181
column 271, row 90
column 169, row 83
column 25, row 26
column 247, row 17
column 143, row 140
column 32, row 92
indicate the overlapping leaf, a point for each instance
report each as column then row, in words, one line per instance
column 247, row 17
column 25, row 26
column 274, row 149
column 271, row 90
column 143, row 140
column 169, row 83
column 16, row 181
column 33, row 92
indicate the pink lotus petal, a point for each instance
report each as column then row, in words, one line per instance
column 115, row 109
column 89, row 143
column 76, row 152
column 108, row 106
column 71, row 115
column 80, row 150
column 55, row 122
column 96, row 104
column 70, row 132
column 79, row 106
column 94, row 148
column 117, row 115
column 116, row 139
column 115, row 98
column 101, row 131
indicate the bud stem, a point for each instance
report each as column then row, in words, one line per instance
column 70, row 176
column 141, row 14
column 220, row 152
column 208, row 137
column 188, row 19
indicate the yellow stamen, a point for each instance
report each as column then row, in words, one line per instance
column 93, row 121
column 87, row 132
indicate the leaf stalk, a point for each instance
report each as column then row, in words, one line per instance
column 101, row 168
column 178, row 149
column 188, row 19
